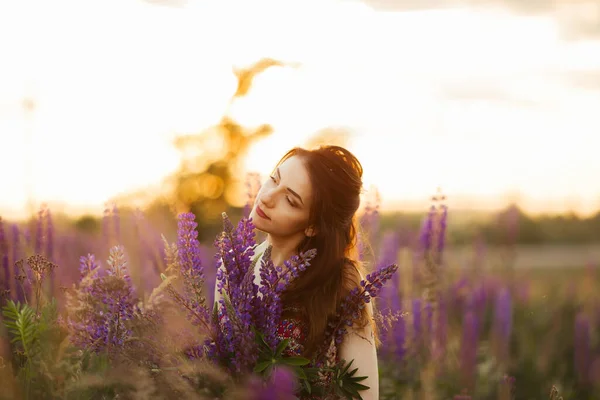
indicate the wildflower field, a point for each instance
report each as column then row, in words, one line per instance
column 121, row 312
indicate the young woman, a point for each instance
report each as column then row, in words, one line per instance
column 310, row 202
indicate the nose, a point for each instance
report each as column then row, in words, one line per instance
column 267, row 198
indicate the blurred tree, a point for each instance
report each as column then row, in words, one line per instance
column 88, row 224
column 208, row 180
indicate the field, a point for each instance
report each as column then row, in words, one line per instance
column 469, row 322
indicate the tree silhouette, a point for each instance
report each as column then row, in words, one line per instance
column 208, row 179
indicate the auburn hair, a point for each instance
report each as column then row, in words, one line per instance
column 336, row 179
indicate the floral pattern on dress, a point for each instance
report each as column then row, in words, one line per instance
column 294, row 330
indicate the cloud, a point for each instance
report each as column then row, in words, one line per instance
column 589, row 80
column 576, row 19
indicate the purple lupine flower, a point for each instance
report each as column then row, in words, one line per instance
column 16, row 255
column 188, row 247
column 389, row 249
column 349, row 310
column 503, row 320
column 427, row 230
column 267, row 316
column 191, row 268
column 235, row 248
column 441, row 235
column 432, row 236
column 294, row 267
column 468, row 347
column 390, row 295
column 40, row 238
column 477, row 302
column 582, row 358
column 4, row 263
column 274, row 280
column 49, row 250
column 442, row 326
column 234, row 252
column 105, row 302
column 88, row 266
column 280, row 386
column 247, row 353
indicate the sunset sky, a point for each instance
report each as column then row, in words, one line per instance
column 493, row 103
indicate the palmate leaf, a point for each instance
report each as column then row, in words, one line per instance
column 281, row 347
column 347, row 385
column 22, row 324
column 268, row 359
column 293, row 361
column 261, row 366
column 265, row 351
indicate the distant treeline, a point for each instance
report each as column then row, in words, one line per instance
column 511, row 225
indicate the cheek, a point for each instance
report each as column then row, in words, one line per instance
column 293, row 220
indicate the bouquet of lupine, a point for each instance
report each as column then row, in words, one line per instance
column 237, row 334
column 240, row 330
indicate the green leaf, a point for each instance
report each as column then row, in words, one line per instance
column 294, row 361
column 301, row 374
column 307, row 386
column 20, row 319
column 261, row 366
column 262, row 343
column 215, row 314
column 346, row 367
column 269, row 369
column 360, row 386
column 281, row 347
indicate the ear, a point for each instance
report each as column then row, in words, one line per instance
column 310, row 231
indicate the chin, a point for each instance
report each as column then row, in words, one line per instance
column 256, row 220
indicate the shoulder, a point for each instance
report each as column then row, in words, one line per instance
column 352, row 274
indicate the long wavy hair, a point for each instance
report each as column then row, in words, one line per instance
column 336, row 178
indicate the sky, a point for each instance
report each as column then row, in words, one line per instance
column 493, row 101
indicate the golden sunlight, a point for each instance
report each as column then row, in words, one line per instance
column 429, row 104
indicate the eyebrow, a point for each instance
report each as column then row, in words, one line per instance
column 290, row 190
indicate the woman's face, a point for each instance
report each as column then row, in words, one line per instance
column 282, row 206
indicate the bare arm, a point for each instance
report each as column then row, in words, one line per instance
column 359, row 345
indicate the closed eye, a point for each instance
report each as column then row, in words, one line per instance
column 286, row 197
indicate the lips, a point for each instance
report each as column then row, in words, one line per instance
column 261, row 213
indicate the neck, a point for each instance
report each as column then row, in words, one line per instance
column 283, row 248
